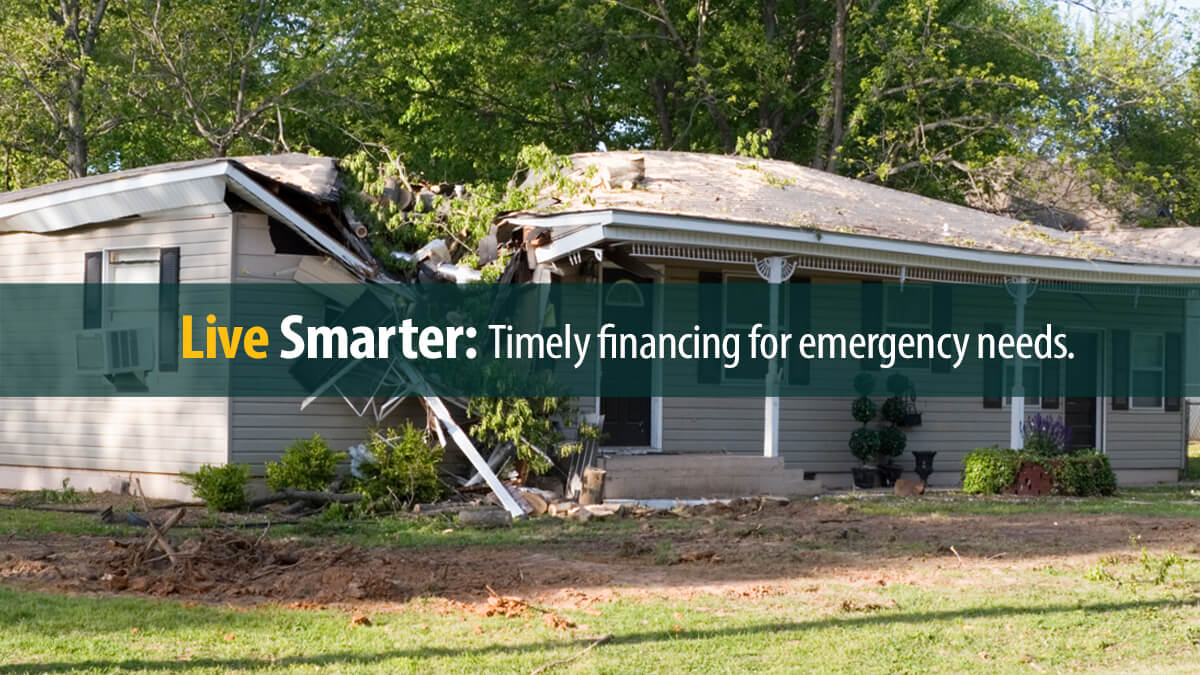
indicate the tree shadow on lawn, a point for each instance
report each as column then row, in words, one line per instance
column 639, row 638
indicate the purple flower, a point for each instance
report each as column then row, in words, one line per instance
column 1046, row 435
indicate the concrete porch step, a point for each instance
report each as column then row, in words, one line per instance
column 697, row 476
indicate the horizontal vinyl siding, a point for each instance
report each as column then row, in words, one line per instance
column 159, row 435
column 260, row 428
column 1139, row 439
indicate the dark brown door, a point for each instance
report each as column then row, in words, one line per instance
column 627, row 303
column 1079, row 414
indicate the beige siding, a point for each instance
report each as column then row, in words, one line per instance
column 814, row 431
column 260, row 428
column 159, row 435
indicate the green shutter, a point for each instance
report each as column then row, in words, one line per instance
column 1120, row 370
column 872, row 315
column 1173, row 378
column 799, row 322
column 993, row 373
column 1050, row 391
column 708, row 295
column 943, row 303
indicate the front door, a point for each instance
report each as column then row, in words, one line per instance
column 1080, row 410
column 628, row 304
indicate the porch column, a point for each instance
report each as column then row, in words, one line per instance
column 774, row 270
column 1020, row 289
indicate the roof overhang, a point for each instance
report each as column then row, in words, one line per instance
column 578, row 230
column 170, row 189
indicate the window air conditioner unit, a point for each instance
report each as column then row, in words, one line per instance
column 113, row 351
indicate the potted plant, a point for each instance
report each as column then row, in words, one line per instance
column 906, row 415
column 892, row 442
column 864, row 441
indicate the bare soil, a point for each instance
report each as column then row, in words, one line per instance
column 739, row 551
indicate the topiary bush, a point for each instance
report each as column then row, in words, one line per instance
column 989, row 471
column 893, row 411
column 862, row 409
column 864, row 444
column 864, row 384
column 898, row 384
column 307, row 464
column 402, row 469
column 892, row 442
column 223, row 488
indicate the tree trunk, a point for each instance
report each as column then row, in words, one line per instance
column 832, row 113
column 838, row 49
column 666, row 131
column 77, row 144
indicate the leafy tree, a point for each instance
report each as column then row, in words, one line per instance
column 57, row 86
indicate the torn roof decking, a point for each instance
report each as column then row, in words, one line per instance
column 776, row 193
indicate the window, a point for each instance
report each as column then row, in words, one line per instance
column 1031, row 381
column 742, row 304
column 908, row 309
column 136, row 306
column 1146, row 361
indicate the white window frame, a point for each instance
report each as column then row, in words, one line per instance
column 889, row 326
column 108, row 269
column 726, row 325
column 1162, row 371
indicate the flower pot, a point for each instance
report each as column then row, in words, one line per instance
column 865, row 477
column 888, row 473
column 911, row 420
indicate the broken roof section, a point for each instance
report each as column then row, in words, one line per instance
column 771, row 192
column 297, row 190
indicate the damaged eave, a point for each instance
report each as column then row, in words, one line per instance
column 250, row 190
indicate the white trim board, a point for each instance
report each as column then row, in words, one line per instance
column 627, row 226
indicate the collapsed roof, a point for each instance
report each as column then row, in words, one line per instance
column 300, row 191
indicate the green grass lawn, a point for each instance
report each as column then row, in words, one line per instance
column 1047, row 620
column 1112, row 610
column 1192, row 472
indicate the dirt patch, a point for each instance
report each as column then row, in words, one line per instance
column 739, row 552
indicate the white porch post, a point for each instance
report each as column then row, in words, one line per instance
column 1020, row 289
column 774, row 270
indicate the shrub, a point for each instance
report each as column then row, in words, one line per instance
column 892, row 441
column 898, row 384
column 893, row 411
column 531, row 424
column 1045, row 435
column 863, row 409
column 305, row 465
column 1082, row 474
column 989, row 471
column 403, row 470
column 864, row 444
column 223, row 488
column 864, row 384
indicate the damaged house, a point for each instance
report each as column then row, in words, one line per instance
column 649, row 217
column 254, row 219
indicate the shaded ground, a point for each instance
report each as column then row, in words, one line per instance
column 744, row 551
